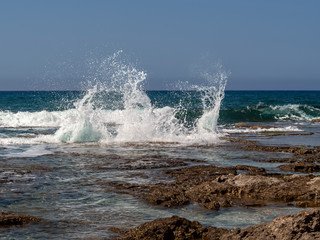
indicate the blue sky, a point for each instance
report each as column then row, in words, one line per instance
column 268, row 45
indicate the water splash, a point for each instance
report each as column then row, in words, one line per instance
column 115, row 108
column 212, row 97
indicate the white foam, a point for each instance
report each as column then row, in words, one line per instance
column 32, row 151
column 293, row 112
column 273, row 129
column 34, row 119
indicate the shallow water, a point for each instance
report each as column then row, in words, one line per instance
column 68, row 187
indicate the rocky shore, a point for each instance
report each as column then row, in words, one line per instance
column 303, row 225
column 174, row 181
column 216, row 187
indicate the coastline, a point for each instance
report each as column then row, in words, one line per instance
column 296, row 184
column 172, row 183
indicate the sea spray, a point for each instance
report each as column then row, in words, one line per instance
column 82, row 127
column 212, row 97
column 136, row 119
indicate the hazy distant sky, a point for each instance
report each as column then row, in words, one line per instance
column 271, row 44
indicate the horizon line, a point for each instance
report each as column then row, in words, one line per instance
column 168, row 90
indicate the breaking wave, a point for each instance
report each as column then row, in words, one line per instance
column 115, row 108
column 270, row 113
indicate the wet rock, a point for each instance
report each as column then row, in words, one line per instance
column 277, row 160
column 142, row 164
column 303, row 225
column 257, row 147
column 306, row 153
column 303, row 151
column 118, row 233
column 214, row 187
column 250, row 169
column 176, row 193
column 300, row 166
column 315, row 120
column 174, row 228
column 281, row 188
column 167, row 196
column 194, row 175
column 228, row 190
column 10, row 219
column 213, row 190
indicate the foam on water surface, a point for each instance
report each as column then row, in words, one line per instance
column 258, row 130
column 29, row 151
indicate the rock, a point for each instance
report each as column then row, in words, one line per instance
column 304, row 151
column 214, row 187
column 227, row 190
column 300, row 166
column 250, row 169
column 303, row 225
column 189, row 176
column 174, row 228
column 11, row 219
column 315, row 120
column 167, row 196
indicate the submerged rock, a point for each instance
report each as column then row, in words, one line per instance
column 303, row 225
column 10, row 219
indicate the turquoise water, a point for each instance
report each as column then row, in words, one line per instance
column 237, row 106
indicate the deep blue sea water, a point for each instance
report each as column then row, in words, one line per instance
column 236, row 106
column 69, row 134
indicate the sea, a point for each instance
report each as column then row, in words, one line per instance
column 59, row 149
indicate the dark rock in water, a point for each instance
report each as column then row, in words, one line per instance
column 303, row 225
column 250, row 169
column 174, row 228
column 167, row 196
column 10, row 219
column 315, row 120
column 301, row 166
